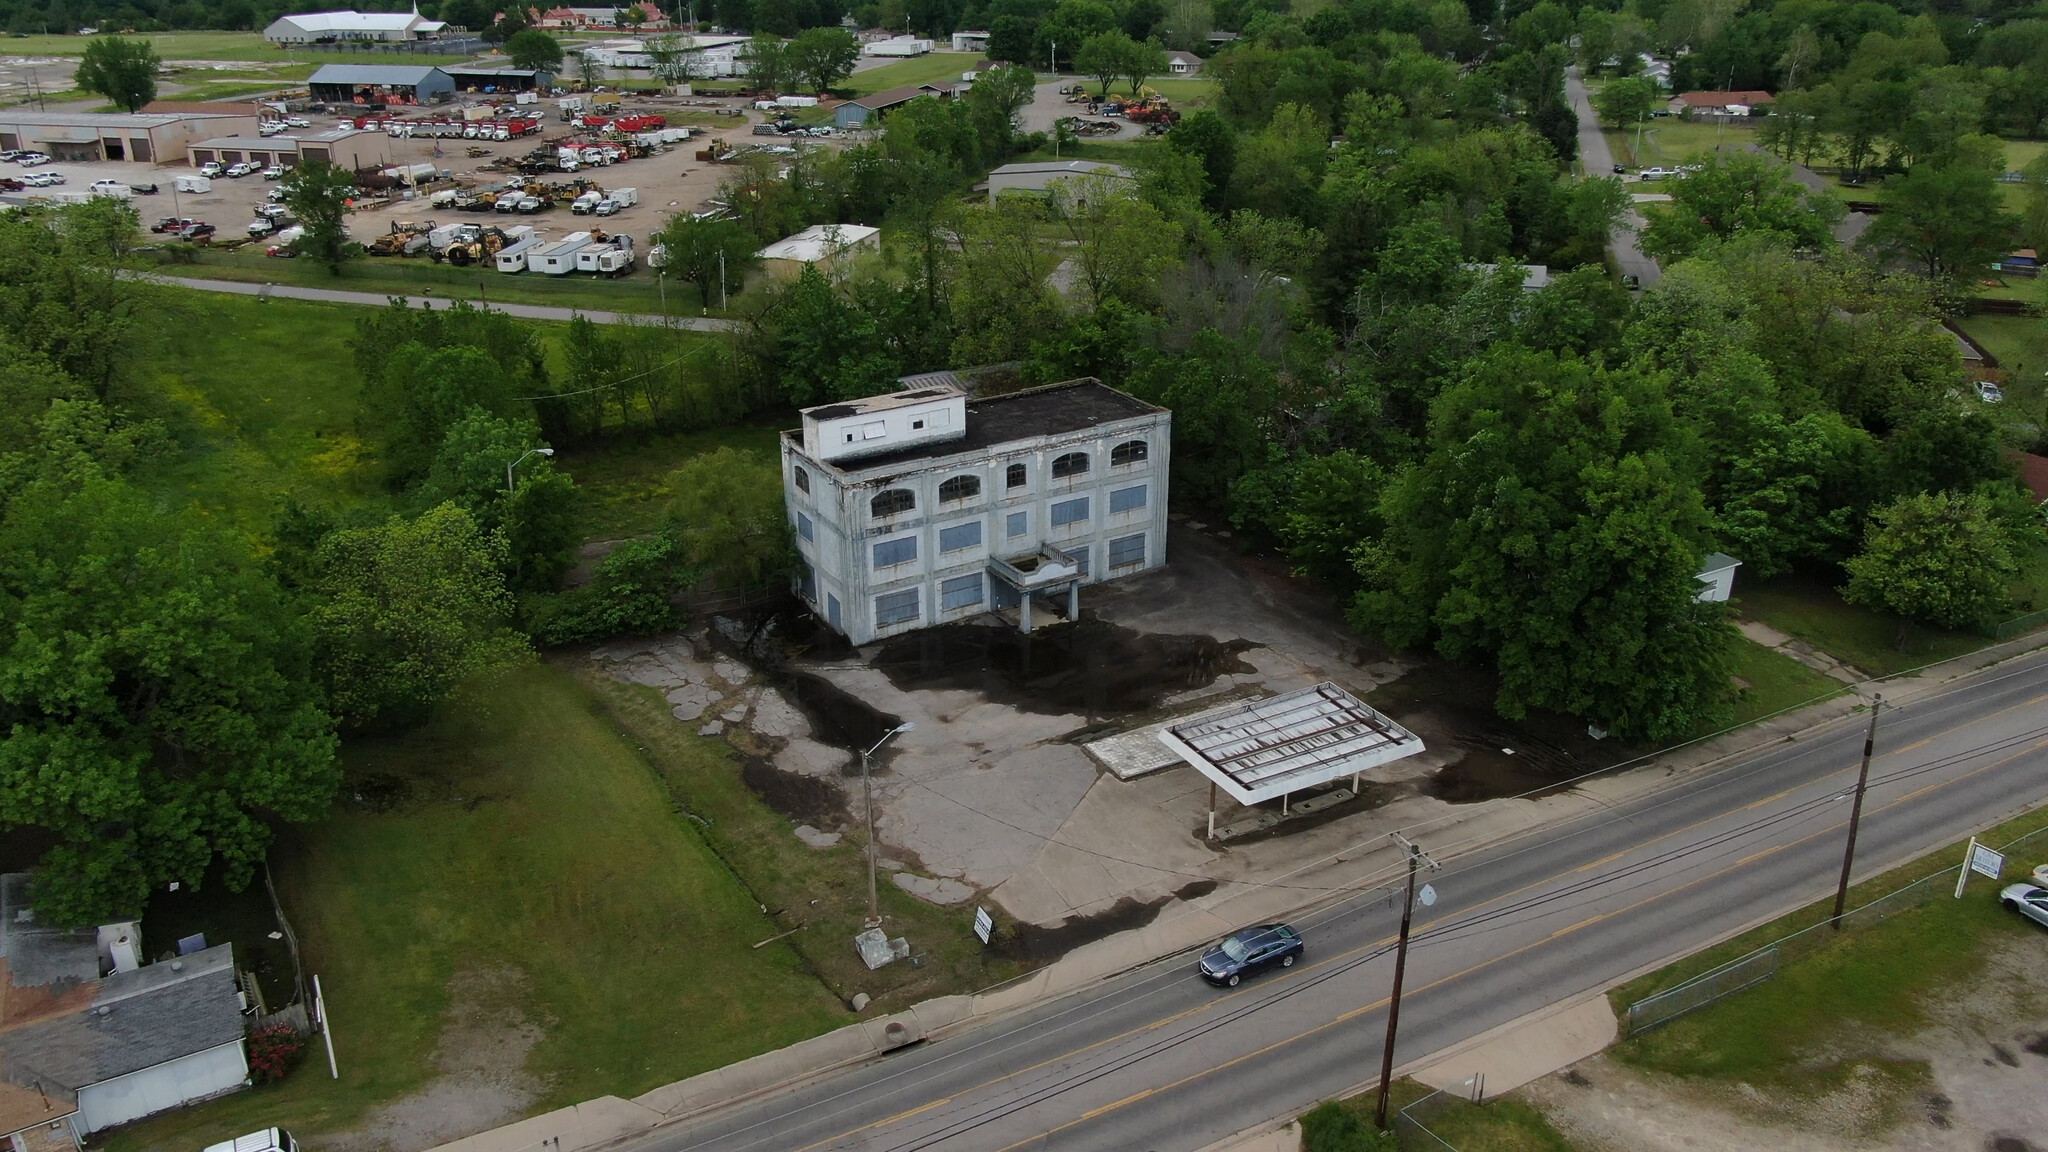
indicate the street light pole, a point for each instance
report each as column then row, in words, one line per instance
column 1415, row 860
column 522, row 460
column 867, row 803
column 1856, row 814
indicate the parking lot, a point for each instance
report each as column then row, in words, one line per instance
column 670, row 181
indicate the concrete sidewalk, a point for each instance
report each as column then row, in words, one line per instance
column 378, row 300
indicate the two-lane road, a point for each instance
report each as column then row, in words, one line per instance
column 1157, row 1060
column 1598, row 160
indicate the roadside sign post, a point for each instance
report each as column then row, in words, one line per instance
column 1856, row 814
column 326, row 1029
column 984, row 924
column 1977, row 858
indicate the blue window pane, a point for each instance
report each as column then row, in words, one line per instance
column 960, row 592
column 1019, row 523
column 1126, row 551
column 1126, row 499
column 896, row 608
column 959, row 536
column 803, row 527
column 1069, row 512
column 901, row 550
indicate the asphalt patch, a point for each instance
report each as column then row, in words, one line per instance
column 1088, row 666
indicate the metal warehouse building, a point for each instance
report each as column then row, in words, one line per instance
column 498, row 79
column 148, row 138
column 346, row 147
column 380, row 84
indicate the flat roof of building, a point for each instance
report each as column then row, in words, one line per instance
column 818, row 242
column 1261, row 749
column 1073, row 167
column 891, row 97
column 109, row 119
column 882, row 403
column 349, row 20
column 1051, row 410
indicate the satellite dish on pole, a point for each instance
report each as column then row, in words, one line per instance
column 1427, row 895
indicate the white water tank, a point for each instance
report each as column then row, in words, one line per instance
column 121, row 946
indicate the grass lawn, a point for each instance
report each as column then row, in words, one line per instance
column 214, row 46
column 641, row 293
column 625, row 484
column 480, row 854
column 1829, row 1011
column 823, row 892
column 1504, row 1124
column 1775, row 682
column 1670, row 141
column 916, row 70
column 1810, row 610
column 1108, row 151
column 262, row 400
column 2021, row 345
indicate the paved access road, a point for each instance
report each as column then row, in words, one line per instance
column 1598, row 160
column 1158, row 1060
column 378, row 300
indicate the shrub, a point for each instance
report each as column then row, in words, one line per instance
column 631, row 594
column 1331, row 1127
column 273, row 1049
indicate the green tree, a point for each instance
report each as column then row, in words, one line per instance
column 1553, row 530
column 407, row 610
column 769, row 67
column 535, row 49
column 701, row 251
column 318, row 195
column 1949, row 221
column 1739, row 192
column 1626, row 100
column 1102, row 56
column 1120, row 245
column 1940, row 557
column 123, row 71
column 160, row 703
column 537, row 517
column 728, row 521
column 823, row 57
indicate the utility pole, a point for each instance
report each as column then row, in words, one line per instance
column 1856, row 814
column 723, row 302
column 1416, row 859
column 867, row 798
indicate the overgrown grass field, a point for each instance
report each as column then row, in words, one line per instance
column 215, row 46
column 520, row 847
column 1773, row 682
column 924, row 69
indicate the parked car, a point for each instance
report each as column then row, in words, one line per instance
column 1620, row 169
column 272, row 211
column 2029, row 900
column 31, row 159
column 275, row 196
column 236, row 172
column 1250, row 950
column 213, row 169
column 111, row 188
column 1990, row 393
column 297, row 122
column 197, row 233
column 268, row 1140
column 260, row 227
column 43, row 179
column 607, row 207
column 172, row 224
column 274, row 172
column 9, row 184
column 1654, row 174
column 12, row 155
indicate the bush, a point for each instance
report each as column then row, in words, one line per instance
column 273, row 1050
column 631, row 594
column 1331, row 1127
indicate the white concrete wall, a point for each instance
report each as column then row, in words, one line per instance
column 843, row 533
column 165, row 1086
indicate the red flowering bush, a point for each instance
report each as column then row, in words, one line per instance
column 273, row 1049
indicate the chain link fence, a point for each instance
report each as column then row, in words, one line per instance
column 1755, row 967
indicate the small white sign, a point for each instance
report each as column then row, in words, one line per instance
column 1427, row 895
column 984, row 924
column 1985, row 861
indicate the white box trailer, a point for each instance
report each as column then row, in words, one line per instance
column 192, row 184
column 558, row 258
column 512, row 257
column 624, row 197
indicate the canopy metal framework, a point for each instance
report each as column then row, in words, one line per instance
column 1260, row 749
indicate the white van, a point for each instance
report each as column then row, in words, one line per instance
column 268, row 1140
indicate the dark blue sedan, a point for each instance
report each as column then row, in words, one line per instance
column 1248, row 950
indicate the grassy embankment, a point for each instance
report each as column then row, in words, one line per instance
column 1831, row 1014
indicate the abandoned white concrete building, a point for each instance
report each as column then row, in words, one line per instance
column 923, row 507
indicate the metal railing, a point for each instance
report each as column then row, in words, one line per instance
column 1755, row 967
column 1412, row 1124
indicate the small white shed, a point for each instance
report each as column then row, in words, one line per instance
column 1717, row 572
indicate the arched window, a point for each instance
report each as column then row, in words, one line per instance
column 1072, row 464
column 1014, row 478
column 959, row 488
column 803, row 479
column 1129, row 452
column 892, row 501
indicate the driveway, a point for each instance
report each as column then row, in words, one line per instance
column 1598, row 160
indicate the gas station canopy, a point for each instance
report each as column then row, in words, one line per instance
column 1262, row 749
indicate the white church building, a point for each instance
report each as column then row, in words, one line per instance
column 924, row 506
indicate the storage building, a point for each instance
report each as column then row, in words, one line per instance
column 345, row 147
column 141, row 137
column 923, row 506
column 329, row 27
column 860, row 112
column 1039, row 176
column 831, row 247
column 498, row 79
column 380, row 84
